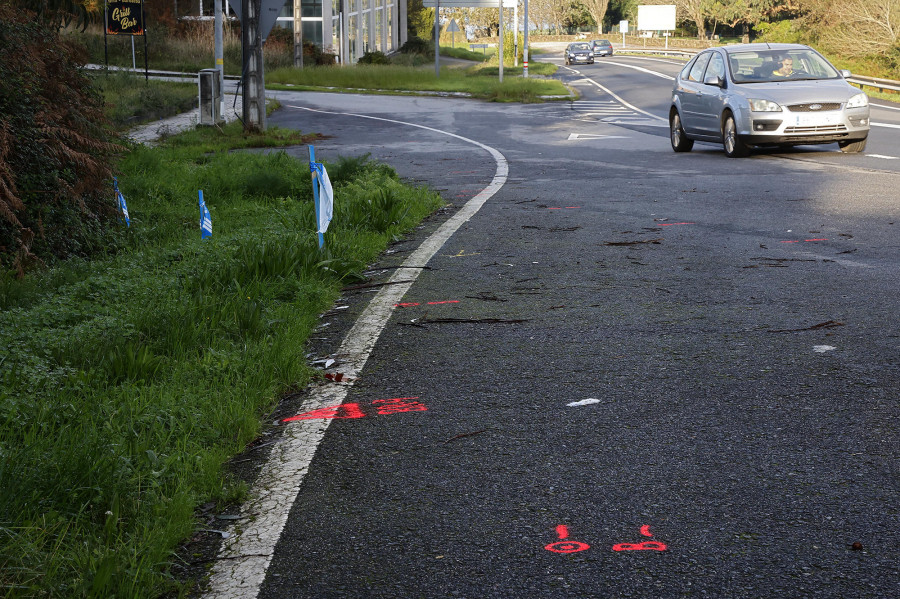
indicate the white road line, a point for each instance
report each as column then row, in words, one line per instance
column 885, row 125
column 622, row 101
column 885, row 107
column 642, row 69
column 882, row 156
column 241, row 567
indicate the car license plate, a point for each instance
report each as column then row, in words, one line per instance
column 825, row 118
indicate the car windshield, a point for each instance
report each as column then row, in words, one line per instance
column 602, row 43
column 578, row 47
column 774, row 65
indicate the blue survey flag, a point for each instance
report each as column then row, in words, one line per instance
column 122, row 207
column 205, row 219
column 325, row 195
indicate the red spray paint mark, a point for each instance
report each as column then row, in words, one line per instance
column 673, row 224
column 408, row 304
column 353, row 410
column 348, row 410
column 563, row 546
column 645, row 546
column 399, row 404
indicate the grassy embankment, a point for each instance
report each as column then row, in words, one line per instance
column 129, row 380
column 481, row 81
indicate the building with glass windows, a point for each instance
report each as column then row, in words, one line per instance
column 346, row 28
column 349, row 28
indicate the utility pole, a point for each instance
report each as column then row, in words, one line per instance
column 254, row 95
column 525, row 49
column 220, row 55
column 298, row 33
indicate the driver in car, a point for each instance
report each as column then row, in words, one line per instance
column 786, row 69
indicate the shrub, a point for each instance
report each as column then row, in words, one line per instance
column 416, row 45
column 376, row 57
column 55, row 148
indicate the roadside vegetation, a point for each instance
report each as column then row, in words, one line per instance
column 480, row 81
column 135, row 360
column 129, row 380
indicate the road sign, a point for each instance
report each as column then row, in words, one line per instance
column 268, row 14
column 453, row 27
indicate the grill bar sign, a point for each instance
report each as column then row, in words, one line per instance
column 125, row 17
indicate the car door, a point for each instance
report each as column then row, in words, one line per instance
column 711, row 101
column 690, row 91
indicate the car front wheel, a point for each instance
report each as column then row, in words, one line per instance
column 734, row 146
column 853, row 147
column 680, row 141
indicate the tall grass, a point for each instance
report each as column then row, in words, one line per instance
column 189, row 51
column 481, row 81
column 127, row 382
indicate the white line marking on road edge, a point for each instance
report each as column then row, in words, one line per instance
column 821, row 349
column 888, row 125
column 240, row 569
column 882, row 156
column 576, row 136
column 636, row 68
column 583, row 402
column 883, row 106
column 629, row 105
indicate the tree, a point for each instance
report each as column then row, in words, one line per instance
column 62, row 13
column 55, row 147
column 857, row 27
column 597, row 9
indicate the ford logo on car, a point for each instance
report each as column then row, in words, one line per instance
column 815, row 107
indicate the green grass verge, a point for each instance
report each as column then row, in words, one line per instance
column 129, row 381
column 481, row 81
column 130, row 100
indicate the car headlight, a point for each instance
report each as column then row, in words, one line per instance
column 764, row 106
column 858, row 101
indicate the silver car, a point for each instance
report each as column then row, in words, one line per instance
column 757, row 95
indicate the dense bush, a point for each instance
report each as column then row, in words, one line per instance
column 375, row 57
column 55, row 148
column 416, row 45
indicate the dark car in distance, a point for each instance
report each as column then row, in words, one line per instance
column 602, row 48
column 579, row 52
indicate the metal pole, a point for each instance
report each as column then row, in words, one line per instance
column 254, row 93
column 525, row 49
column 298, row 33
column 105, row 30
column 220, row 54
column 515, row 29
column 146, row 56
column 437, row 40
column 501, row 40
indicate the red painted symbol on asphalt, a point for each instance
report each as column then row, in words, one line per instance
column 383, row 407
column 408, row 304
column 398, row 404
column 563, row 546
column 645, row 546
column 347, row 410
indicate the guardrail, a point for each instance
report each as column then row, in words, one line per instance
column 663, row 51
column 880, row 84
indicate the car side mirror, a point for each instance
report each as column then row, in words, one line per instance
column 716, row 80
column 846, row 74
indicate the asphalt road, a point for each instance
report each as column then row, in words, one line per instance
column 633, row 373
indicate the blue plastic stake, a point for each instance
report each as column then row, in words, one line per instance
column 315, row 184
